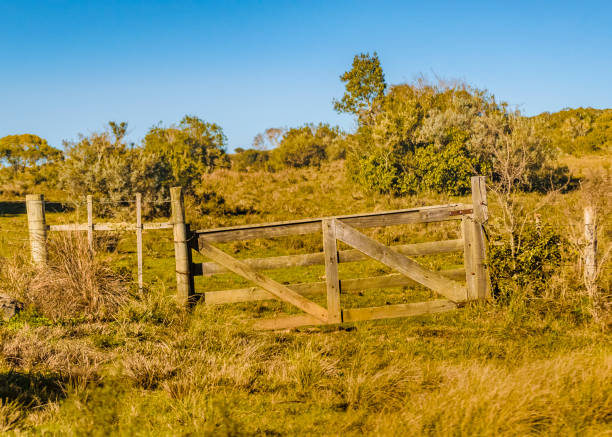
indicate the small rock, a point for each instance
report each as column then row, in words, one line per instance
column 9, row 307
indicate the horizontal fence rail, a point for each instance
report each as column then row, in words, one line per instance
column 426, row 214
column 344, row 256
column 109, row 226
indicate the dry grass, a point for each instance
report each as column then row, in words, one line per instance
column 570, row 395
column 11, row 413
column 74, row 283
column 527, row 368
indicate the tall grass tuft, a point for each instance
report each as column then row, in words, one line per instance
column 73, row 284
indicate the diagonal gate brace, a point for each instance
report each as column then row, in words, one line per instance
column 277, row 289
column 415, row 271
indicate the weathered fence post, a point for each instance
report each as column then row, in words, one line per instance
column 467, row 225
column 477, row 274
column 334, row 313
column 37, row 227
column 90, row 239
column 590, row 251
column 139, row 237
column 182, row 251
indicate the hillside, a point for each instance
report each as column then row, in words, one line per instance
column 578, row 131
column 535, row 365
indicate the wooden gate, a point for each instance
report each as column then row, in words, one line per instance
column 344, row 229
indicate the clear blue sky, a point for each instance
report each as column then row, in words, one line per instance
column 68, row 67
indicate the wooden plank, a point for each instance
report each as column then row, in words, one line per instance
column 361, row 314
column 69, row 227
column 139, row 238
column 334, row 314
column 287, row 322
column 400, row 310
column 310, row 226
column 352, row 255
column 251, row 294
column 277, row 289
column 438, row 283
column 114, row 226
column 122, row 226
column 149, row 226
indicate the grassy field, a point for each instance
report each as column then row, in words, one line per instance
column 522, row 368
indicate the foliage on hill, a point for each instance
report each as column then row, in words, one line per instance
column 191, row 149
column 431, row 138
column 25, row 160
column 578, row 131
column 308, row 145
column 106, row 167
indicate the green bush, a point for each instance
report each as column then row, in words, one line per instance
column 191, row 149
column 438, row 168
column 110, row 169
column 525, row 260
column 307, row 146
column 424, row 137
column 251, row 159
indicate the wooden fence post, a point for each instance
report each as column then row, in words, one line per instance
column 334, row 313
column 590, row 251
column 139, row 237
column 467, row 226
column 37, row 227
column 477, row 274
column 182, row 249
column 90, row 239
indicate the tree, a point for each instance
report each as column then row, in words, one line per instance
column 191, row 149
column 119, row 130
column 19, row 152
column 100, row 166
column 365, row 85
column 269, row 139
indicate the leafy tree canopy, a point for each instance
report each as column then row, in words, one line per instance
column 433, row 137
column 101, row 164
column 191, row 148
column 26, row 151
column 365, row 85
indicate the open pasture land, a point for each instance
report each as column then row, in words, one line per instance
column 151, row 368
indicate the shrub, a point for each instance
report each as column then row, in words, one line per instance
column 191, row 149
column 109, row 169
column 251, row 159
column 438, row 168
column 526, row 260
column 307, row 146
column 432, row 138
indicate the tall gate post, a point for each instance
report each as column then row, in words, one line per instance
column 182, row 249
column 479, row 284
column 37, row 227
